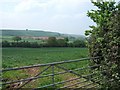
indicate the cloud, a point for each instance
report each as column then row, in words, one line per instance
column 24, row 5
column 58, row 5
column 66, row 16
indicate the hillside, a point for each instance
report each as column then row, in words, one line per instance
column 28, row 33
column 36, row 33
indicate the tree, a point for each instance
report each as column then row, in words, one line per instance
column 17, row 38
column 104, row 39
column 34, row 45
column 61, row 42
column 26, row 29
column 66, row 39
column 52, row 41
column 5, row 44
column 79, row 43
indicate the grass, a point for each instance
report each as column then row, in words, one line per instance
column 28, row 33
column 17, row 57
column 9, row 39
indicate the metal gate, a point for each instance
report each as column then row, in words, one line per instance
column 64, row 74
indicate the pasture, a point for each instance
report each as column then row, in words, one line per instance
column 17, row 57
column 10, row 39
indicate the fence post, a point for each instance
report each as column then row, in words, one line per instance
column 53, row 78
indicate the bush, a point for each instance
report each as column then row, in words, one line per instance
column 104, row 41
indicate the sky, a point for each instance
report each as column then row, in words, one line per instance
column 63, row 16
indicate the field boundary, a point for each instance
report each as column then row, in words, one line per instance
column 88, row 78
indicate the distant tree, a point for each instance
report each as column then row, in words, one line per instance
column 72, row 38
column 70, row 44
column 5, row 44
column 52, row 41
column 66, row 39
column 17, row 38
column 26, row 44
column 79, row 43
column 26, row 29
column 61, row 42
column 34, row 45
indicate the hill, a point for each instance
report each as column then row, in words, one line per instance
column 36, row 33
column 28, row 33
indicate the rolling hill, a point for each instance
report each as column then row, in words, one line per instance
column 28, row 33
column 37, row 33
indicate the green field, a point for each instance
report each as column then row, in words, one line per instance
column 10, row 39
column 17, row 57
column 28, row 33
column 7, row 35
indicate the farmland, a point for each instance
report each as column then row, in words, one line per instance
column 20, row 56
column 40, row 59
column 10, row 39
column 35, row 36
column 16, row 57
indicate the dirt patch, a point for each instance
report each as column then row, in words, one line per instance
column 32, row 71
column 15, row 85
column 75, row 83
column 70, row 77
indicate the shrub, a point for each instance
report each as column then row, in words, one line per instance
column 104, row 41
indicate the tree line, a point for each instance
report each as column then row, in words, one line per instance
column 51, row 42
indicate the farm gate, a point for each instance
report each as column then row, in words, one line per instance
column 64, row 74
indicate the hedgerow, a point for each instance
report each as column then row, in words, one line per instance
column 104, row 42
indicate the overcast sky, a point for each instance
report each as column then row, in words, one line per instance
column 64, row 16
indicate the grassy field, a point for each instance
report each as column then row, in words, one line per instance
column 17, row 57
column 10, row 39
